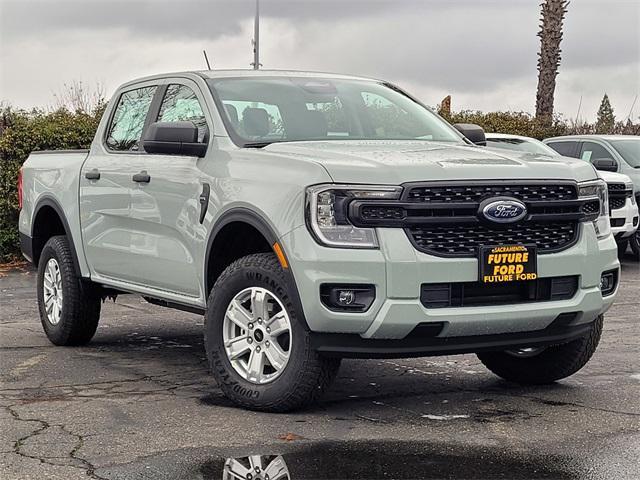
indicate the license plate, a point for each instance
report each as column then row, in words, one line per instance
column 508, row 263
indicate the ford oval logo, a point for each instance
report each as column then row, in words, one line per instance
column 504, row 211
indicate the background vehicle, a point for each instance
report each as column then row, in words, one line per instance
column 317, row 216
column 623, row 207
column 615, row 153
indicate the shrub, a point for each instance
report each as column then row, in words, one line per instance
column 21, row 133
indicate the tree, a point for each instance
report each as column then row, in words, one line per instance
column 552, row 16
column 78, row 97
column 606, row 119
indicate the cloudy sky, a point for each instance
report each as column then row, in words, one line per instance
column 482, row 52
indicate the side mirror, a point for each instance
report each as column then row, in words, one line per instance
column 473, row 132
column 174, row 138
column 605, row 164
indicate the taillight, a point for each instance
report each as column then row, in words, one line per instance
column 20, row 189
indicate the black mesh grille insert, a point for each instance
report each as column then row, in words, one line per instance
column 616, row 187
column 477, row 193
column 463, row 240
column 473, row 294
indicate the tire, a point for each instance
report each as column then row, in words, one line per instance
column 634, row 241
column 305, row 374
column 622, row 248
column 551, row 364
column 79, row 305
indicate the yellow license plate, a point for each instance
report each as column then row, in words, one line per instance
column 508, row 263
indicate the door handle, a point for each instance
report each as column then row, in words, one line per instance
column 92, row 175
column 142, row 177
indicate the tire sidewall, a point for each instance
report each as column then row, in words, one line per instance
column 54, row 332
column 230, row 381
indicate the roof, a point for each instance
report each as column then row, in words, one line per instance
column 247, row 73
column 593, row 137
column 507, row 135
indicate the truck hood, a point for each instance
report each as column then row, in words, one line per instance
column 396, row 162
column 613, row 177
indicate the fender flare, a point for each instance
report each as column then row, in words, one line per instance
column 250, row 217
column 51, row 202
column 238, row 214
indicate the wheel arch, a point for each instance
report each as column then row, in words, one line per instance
column 231, row 221
column 49, row 220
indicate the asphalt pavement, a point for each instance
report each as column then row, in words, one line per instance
column 138, row 403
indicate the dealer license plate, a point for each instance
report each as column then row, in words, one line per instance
column 508, row 263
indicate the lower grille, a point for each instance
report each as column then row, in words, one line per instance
column 474, row 294
column 464, row 240
column 617, row 222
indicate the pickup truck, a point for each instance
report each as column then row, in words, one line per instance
column 612, row 153
column 623, row 208
column 312, row 217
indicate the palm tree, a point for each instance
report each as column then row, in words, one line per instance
column 550, row 34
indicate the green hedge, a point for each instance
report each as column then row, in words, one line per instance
column 23, row 132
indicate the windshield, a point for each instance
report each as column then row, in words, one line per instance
column 629, row 149
column 259, row 111
column 521, row 145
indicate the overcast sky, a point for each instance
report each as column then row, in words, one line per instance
column 481, row 52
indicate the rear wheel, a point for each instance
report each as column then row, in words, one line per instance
column 69, row 310
column 534, row 366
column 257, row 343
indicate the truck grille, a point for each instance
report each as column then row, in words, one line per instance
column 477, row 193
column 618, row 194
column 446, row 219
column 464, row 240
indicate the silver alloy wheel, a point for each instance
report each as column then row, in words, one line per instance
column 256, row 467
column 257, row 335
column 526, row 352
column 52, row 284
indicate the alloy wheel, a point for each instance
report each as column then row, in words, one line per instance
column 53, row 291
column 257, row 335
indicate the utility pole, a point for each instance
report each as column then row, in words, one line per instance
column 256, row 38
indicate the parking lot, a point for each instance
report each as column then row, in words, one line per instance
column 138, row 403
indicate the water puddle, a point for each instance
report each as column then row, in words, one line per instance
column 353, row 460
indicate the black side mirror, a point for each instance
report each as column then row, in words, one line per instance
column 605, row 164
column 174, row 138
column 473, row 132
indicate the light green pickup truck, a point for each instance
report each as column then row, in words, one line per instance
column 312, row 217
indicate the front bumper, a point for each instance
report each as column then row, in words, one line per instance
column 416, row 345
column 397, row 270
column 624, row 221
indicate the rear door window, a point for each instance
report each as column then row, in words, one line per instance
column 180, row 104
column 565, row 148
column 128, row 119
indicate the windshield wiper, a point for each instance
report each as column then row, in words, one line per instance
column 256, row 144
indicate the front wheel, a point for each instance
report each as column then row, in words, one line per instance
column 634, row 242
column 257, row 343
column 536, row 366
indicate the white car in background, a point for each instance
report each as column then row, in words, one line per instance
column 622, row 201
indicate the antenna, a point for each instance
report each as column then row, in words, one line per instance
column 256, row 39
column 206, row 59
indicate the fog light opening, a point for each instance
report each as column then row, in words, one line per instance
column 355, row 298
column 608, row 282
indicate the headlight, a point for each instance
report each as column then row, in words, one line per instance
column 597, row 189
column 327, row 213
column 629, row 187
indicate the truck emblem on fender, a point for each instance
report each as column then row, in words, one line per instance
column 504, row 211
